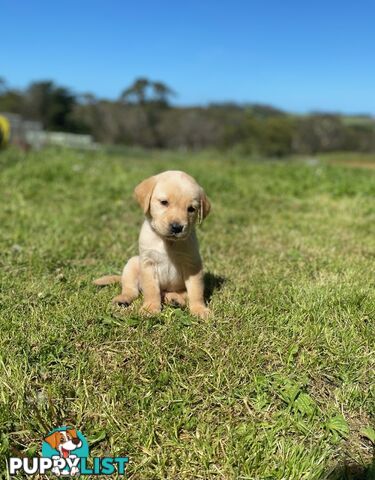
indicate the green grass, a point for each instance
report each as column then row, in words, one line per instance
column 276, row 385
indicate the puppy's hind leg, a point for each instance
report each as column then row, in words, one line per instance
column 175, row 299
column 129, row 282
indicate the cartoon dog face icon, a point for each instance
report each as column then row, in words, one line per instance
column 64, row 442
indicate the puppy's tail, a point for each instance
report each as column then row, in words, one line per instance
column 107, row 280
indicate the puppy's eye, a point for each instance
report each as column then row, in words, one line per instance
column 164, row 202
column 191, row 209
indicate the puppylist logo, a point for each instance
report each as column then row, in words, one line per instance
column 65, row 451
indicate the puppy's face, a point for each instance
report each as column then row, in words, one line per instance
column 64, row 441
column 174, row 202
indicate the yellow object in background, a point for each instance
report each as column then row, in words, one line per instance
column 4, row 131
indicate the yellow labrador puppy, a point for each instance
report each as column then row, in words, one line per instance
column 169, row 266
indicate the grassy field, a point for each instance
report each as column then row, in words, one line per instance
column 278, row 384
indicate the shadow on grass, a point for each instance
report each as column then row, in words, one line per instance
column 352, row 472
column 212, row 282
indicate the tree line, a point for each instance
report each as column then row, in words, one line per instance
column 144, row 115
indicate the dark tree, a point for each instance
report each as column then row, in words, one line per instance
column 50, row 104
column 137, row 92
column 3, row 85
column 162, row 93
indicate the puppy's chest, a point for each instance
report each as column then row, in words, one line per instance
column 168, row 271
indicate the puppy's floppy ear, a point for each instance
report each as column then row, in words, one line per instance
column 143, row 192
column 73, row 433
column 204, row 207
column 53, row 440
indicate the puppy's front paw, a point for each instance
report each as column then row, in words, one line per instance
column 121, row 300
column 200, row 311
column 150, row 308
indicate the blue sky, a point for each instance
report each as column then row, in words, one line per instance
column 297, row 55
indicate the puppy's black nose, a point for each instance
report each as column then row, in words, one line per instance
column 76, row 441
column 176, row 228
